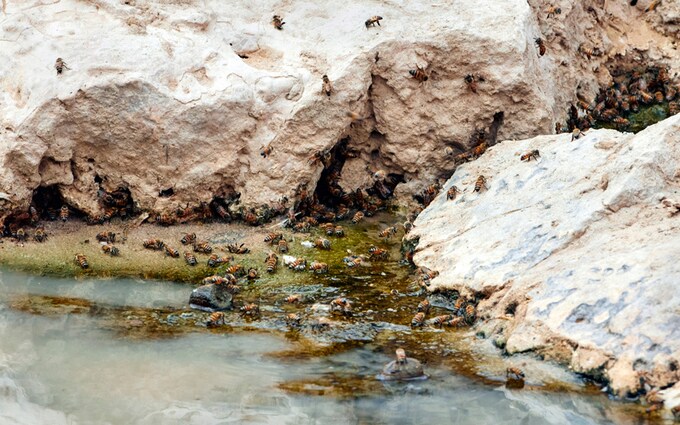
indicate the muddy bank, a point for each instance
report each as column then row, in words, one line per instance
column 573, row 251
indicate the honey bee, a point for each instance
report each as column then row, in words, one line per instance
column 40, row 235
column 293, row 320
column 253, row 274
column 620, row 122
column 576, row 134
column 418, row 320
column 273, row 238
column 302, row 227
column 451, row 193
column 670, row 93
column 553, row 10
column 558, row 128
column 448, row 151
column 589, row 52
column 514, row 373
column 298, row 265
column 480, row 183
column 338, row 231
column 673, row 108
column 646, row 97
column 659, row 96
column 534, row 154
column 342, row 306
column 322, row 243
column 652, row 5
column 35, row 217
column 236, row 270
column 271, row 261
column 353, row 261
column 318, row 267
column 153, row 244
column 370, row 22
column 278, row 23
column 283, row 246
column 111, row 250
column 265, row 151
column 216, row 319
column 81, row 261
column 202, row 247
column 251, row 310
column 326, row 87
column 108, row 237
column 419, row 74
column 541, row 46
column 470, row 314
column 188, row 239
column 237, row 249
column 388, row 233
column 424, row 306
column 64, row 213
column 459, row 305
column 216, row 280
column 60, row 65
column 214, row 260
column 479, row 149
column 378, row 253
column 456, row 322
column 358, row 217
column 171, row 252
column 190, row 258
column 471, row 83
column 440, row 320
column 294, row 299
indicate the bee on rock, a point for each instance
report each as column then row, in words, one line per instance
column 278, row 23
column 372, row 21
column 480, row 184
column 541, row 46
column 534, row 154
column 419, row 74
column 326, row 87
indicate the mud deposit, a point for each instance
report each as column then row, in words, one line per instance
column 119, row 344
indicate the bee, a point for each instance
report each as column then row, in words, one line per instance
column 214, row 260
column 342, row 306
column 459, row 305
column 265, row 151
column 190, row 258
column 326, row 87
column 670, row 93
column 294, row 299
column 302, row 227
column 318, row 267
column 40, row 235
column 353, row 261
column 424, row 306
column 253, row 274
column 428, row 274
column 480, row 183
column 358, row 217
column 188, row 239
column 108, row 237
column 293, row 320
column 21, row 234
column 652, row 5
column 440, row 320
column 576, row 134
column 35, row 217
column 111, row 250
column 64, row 213
column 663, row 76
column 338, row 231
column 237, row 249
column 673, row 108
column 471, row 83
column 322, row 243
column 278, row 23
column 558, row 128
column 378, row 253
column 202, row 247
column 370, row 22
column 216, row 319
column 236, row 270
column 81, row 260
column 419, row 74
column 514, row 373
column 541, row 46
column 646, row 97
column 328, row 227
column 448, row 151
column 271, row 261
column 216, row 280
column 455, row 322
column 654, row 400
column 589, row 52
column 251, row 310
column 110, row 212
column 60, row 65
column 298, row 265
column 273, row 238
column 451, row 193
column 479, row 149
column 153, row 244
column 470, row 314
column 171, row 252
column 387, row 233
column 553, row 10
column 283, row 246
column 620, row 122
column 418, row 320
column 534, row 154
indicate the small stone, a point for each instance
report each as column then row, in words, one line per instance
column 211, row 298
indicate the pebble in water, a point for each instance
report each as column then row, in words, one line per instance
column 402, row 369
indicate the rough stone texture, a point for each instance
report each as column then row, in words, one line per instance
column 156, row 96
column 211, row 297
column 581, row 245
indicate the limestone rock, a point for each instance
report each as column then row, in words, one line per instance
column 583, row 239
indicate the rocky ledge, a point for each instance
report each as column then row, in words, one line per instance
column 575, row 253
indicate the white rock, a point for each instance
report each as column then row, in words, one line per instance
column 580, row 236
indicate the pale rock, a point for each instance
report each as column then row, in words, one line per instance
column 594, row 264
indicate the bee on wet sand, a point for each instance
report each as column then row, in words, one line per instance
column 441, row 320
column 237, row 249
column 251, row 310
column 293, row 319
column 514, row 373
column 40, row 235
column 110, row 250
column 322, row 243
column 108, row 237
column 341, row 306
column 271, row 261
column 318, row 267
column 283, row 246
column 188, row 239
column 423, row 306
column 202, row 247
column 171, row 252
column 252, row 274
column 372, row 21
column 153, row 244
column 388, row 233
column 418, row 320
column 358, row 217
column 64, row 213
column 216, row 319
column 190, row 258
column 534, row 154
column 294, row 299
column 273, row 238
column 81, row 261
column 378, row 253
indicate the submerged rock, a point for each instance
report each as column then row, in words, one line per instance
column 577, row 252
column 211, row 298
column 402, row 368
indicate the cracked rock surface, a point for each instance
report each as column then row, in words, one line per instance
column 577, row 253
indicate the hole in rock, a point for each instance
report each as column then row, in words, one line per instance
column 166, row 193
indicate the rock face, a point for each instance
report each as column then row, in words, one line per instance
column 577, row 252
column 211, row 297
column 182, row 95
